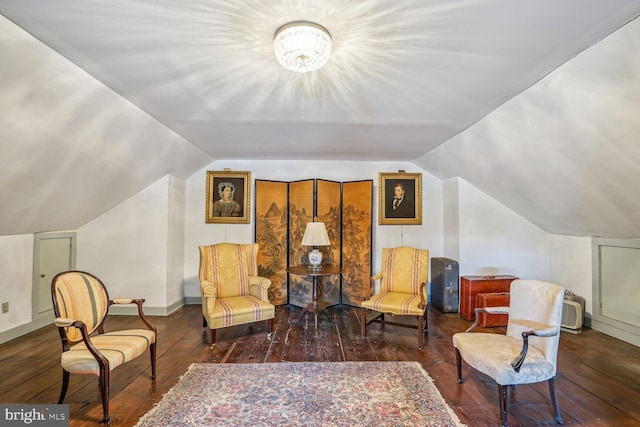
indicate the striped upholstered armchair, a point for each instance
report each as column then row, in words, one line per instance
column 232, row 292
column 403, row 289
column 81, row 304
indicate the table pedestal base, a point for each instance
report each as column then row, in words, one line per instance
column 316, row 310
column 314, row 307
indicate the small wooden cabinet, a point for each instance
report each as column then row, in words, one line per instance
column 470, row 286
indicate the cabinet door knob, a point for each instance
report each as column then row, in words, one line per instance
column 42, row 275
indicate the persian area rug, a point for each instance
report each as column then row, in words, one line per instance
column 303, row 394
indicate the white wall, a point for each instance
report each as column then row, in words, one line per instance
column 495, row 240
column 570, row 265
column 175, row 244
column 451, row 219
column 428, row 235
column 16, row 268
column 127, row 246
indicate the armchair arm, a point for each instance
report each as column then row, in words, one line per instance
column 64, row 322
column 259, row 287
column 208, row 290
column 490, row 310
column 138, row 302
column 544, row 331
column 423, row 302
column 372, row 284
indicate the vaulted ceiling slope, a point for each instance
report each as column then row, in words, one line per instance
column 566, row 153
column 100, row 99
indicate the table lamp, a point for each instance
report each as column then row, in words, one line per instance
column 315, row 235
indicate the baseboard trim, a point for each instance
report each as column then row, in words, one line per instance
column 192, row 300
column 117, row 310
column 132, row 310
column 25, row 328
column 615, row 332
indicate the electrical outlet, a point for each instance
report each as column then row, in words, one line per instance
column 5, row 307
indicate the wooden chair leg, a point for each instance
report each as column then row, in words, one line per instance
column 420, row 333
column 204, row 330
column 104, row 391
column 459, row 366
column 65, row 386
column 363, row 327
column 554, row 401
column 271, row 328
column 152, row 351
column 502, row 395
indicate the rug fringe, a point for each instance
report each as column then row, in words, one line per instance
column 453, row 415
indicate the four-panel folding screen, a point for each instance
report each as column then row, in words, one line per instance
column 283, row 210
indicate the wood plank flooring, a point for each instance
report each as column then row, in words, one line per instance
column 598, row 382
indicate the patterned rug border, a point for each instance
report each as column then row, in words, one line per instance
column 175, row 389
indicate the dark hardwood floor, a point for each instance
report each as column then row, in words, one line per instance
column 598, row 380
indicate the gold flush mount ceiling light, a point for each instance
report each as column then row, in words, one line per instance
column 302, row 46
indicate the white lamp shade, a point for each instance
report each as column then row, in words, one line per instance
column 315, row 235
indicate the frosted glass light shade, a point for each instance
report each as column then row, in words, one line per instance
column 302, row 46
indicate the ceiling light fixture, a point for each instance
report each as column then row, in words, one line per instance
column 302, row 46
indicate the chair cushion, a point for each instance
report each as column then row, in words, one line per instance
column 394, row 302
column 238, row 310
column 118, row 347
column 492, row 355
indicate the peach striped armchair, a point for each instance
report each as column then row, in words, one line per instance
column 232, row 292
column 403, row 289
column 81, row 304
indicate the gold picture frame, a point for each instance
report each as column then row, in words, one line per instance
column 407, row 210
column 221, row 185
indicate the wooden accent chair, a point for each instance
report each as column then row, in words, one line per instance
column 81, row 304
column 403, row 288
column 528, row 352
column 232, row 292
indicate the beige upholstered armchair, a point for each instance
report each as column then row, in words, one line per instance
column 81, row 304
column 528, row 352
column 403, row 288
column 232, row 292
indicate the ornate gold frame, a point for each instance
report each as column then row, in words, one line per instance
column 242, row 195
column 413, row 194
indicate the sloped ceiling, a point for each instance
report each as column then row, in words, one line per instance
column 100, row 99
column 566, row 153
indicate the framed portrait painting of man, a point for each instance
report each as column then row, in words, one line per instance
column 228, row 197
column 400, row 198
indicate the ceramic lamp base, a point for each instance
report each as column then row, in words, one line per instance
column 315, row 259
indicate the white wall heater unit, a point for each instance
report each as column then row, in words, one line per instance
column 572, row 313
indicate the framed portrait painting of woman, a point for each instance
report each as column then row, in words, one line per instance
column 228, row 197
